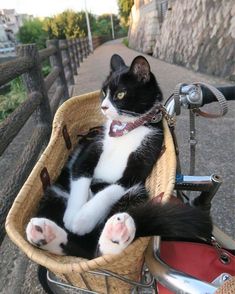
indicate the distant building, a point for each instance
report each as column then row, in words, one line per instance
column 3, row 34
column 8, row 17
column 10, row 22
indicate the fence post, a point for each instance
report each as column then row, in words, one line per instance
column 35, row 83
column 56, row 61
column 63, row 44
column 80, row 49
column 84, row 48
column 87, row 46
column 72, row 57
column 76, row 53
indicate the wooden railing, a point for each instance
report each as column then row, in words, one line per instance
column 65, row 58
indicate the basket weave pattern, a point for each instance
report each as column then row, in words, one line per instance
column 79, row 114
column 228, row 287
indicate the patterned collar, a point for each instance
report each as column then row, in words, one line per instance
column 118, row 128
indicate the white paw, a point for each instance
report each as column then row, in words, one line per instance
column 78, row 197
column 118, row 233
column 69, row 218
column 46, row 235
column 83, row 223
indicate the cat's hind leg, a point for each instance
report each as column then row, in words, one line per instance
column 95, row 210
column 118, row 233
column 46, row 234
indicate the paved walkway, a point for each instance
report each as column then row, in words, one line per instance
column 95, row 69
column 216, row 153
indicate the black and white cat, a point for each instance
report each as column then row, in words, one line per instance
column 107, row 176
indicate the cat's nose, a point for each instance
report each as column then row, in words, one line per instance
column 104, row 108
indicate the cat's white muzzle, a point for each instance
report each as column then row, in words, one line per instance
column 109, row 110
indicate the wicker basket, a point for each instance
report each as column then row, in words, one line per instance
column 75, row 116
column 228, row 287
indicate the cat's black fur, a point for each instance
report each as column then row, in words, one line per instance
column 141, row 96
column 168, row 220
column 142, row 92
column 86, row 245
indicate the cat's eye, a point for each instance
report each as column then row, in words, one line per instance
column 121, row 95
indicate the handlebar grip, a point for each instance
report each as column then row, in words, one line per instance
column 208, row 96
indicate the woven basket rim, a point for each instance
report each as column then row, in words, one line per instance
column 66, row 105
column 79, row 265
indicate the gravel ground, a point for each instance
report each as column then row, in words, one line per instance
column 215, row 151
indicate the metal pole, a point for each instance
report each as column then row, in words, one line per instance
column 111, row 17
column 88, row 29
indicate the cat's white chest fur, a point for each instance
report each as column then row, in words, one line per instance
column 116, row 151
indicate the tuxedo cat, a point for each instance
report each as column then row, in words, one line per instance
column 107, row 175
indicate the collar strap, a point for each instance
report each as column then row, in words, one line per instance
column 118, row 128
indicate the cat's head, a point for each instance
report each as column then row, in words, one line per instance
column 129, row 92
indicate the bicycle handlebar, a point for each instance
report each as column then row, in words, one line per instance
column 198, row 94
column 208, row 96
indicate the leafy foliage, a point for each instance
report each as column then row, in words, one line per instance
column 10, row 101
column 124, row 10
column 125, row 42
column 68, row 24
column 33, row 32
column 103, row 26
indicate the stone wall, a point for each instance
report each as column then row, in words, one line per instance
column 144, row 26
column 199, row 34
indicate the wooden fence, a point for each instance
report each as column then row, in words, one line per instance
column 65, row 58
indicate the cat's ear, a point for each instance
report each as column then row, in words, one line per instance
column 116, row 62
column 141, row 69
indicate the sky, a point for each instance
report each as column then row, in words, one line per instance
column 52, row 7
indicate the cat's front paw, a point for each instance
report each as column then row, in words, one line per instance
column 84, row 222
column 46, row 234
column 69, row 218
column 118, row 233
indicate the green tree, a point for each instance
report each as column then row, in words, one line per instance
column 68, row 24
column 124, row 10
column 32, row 32
column 103, row 26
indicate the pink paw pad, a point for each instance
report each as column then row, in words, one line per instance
column 39, row 232
column 46, row 234
column 118, row 233
column 117, row 228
